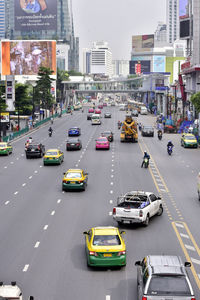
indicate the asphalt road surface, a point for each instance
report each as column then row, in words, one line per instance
column 41, row 228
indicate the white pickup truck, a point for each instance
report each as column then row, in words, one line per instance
column 137, row 207
column 11, row 291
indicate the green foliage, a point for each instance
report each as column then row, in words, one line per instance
column 43, row 88
column 22, row 99
column 74, row 73
column 195, row 99
column 2, row 98
column 61, row 76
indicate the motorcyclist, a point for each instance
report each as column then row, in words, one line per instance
column 119, row 124
column 146, row 155
column 51, row 120
column 170, row 144
column 159, row 133
column 140, row 126
column 50, row 130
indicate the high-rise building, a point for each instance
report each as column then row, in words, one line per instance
column 101, row 59
column 160, row 35
column 120, row 68
column 172, row 20
column 86, row 61
column 2, row 19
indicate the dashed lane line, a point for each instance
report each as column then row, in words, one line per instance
column 25, row 269
column 37, row 244
column 45, row 227
column 111, row 201
column 15, row 193
column 6, row 203
column 30, row 177
column 24, row 184
column 110, row 213
column 58, row 201
column 53, row 213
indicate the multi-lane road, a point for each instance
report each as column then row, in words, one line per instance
column 41, row 228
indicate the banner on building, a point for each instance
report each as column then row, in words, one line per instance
column 5, row 117
column 159, row 63
column 137, row 67
column 35, row 15
column 142, row 43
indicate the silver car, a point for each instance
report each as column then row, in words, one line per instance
column 163, row 277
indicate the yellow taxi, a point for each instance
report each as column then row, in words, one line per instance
column 189, row 140
column 5, row 148
column 105, row 247
column 74, row 179
column 53, row 157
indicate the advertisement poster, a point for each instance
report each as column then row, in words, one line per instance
column 183, row 9
column 142, row 43
column 159, row 64
column 35, row 15
column 144, row 66
column 26, row 57
column 4, row 117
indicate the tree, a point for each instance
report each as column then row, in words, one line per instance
column 195, row 99
column 61, row 76
column 22, row 100
column 74, row 73
column 43, row 88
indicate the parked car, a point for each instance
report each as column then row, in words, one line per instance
column 109, row 134
column 73, row 144
column 147, row 130
column 35, row 150
column 163, row 277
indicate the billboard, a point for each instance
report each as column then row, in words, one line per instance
column 35, row 15
column 26, row 57
column 185, row 28
column 183, row 9
column 159, row 64
column 142, row 43
column 134, row 66
column 5, row 117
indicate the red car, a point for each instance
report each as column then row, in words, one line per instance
column 97, row 111
column 102, row 143
column 91, row 110
column 104, row 104
column 100, row 106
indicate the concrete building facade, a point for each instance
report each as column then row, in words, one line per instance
column 2, row 19
column 120, row 68
column 101, row 59
column 172, row 19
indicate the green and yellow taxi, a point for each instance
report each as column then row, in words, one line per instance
column 74, row 179
column 189, row 140
column 53, row 157
column 5, row 148
column 105, row 247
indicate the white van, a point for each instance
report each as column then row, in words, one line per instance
column 96, row 119
column 143, row 110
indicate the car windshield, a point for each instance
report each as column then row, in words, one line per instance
column 148, row 127
column 95, row 117
column 189, row 137
column 106, row 132
column 3, row 145
column 52, row 153
column 72, row 141
column 102, row 140
column 106, row 240
column 73, row 175
column 73, row 128
column 169, row 285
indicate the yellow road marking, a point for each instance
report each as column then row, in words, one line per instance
column 184, row 249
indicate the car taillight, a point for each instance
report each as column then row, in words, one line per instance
column 64, row 180
column 140, row 213
column 38, row 147
column 114, row 211
column 78, row 144
column 80, row 181
column 93, row 253
column 193, row 298
column 121, row 253
column 144, row 298
column 68, row 144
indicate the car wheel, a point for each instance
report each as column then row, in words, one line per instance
column 146, row 222
column 27, row 156
column 184, row 145
column 152, row 135
column 119, row 223
column 199, row 195
column 160, row 211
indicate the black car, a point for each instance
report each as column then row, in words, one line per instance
column 73, row 144
column 147, row 130
column 107, row 115
column 35, row 150
column 109, row 135
column 68, row 110
column 89, row 116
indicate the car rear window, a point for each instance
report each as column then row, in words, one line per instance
column 3, row 145
column 73, row 175
column 169, row 285
column 52, row 153
column 106, row 240
column 189, row 137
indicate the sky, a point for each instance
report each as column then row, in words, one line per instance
column 115, row 21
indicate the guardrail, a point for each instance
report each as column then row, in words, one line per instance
column 16, row 134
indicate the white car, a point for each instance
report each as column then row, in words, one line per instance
column 143, row 110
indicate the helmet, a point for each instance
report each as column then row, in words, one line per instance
column 145, row 152
column 170, row 142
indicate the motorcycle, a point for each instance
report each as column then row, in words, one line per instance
column 50, row 133
column 169, row 150
column 146, row 162
column 119, row 125
column 160, row 136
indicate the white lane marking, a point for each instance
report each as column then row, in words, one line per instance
column 45, row 227
column 195, row 261
column 79, row 160
column 110, row 213
column 112, row 159
column 158, row 179
column 7, row 202
column 17, row 158
column 53, row 213
column 187, row 166
column 59, row 200
column 24, row 184
column 184, row 235
column 76, row 165
column 30, row 177
column 112, row 176
column 163, row 190
column 160, row 184
column 81, row 156
column 35, row 171
column 111, row 201
column 40, row 166
column 22, row 154
column 156, row 175
column 5, row 167
column 12, row 162
column 111, row 183
column 107, row 297
column 111, row 192
column 15, row 193
column 25, row 268
column 112, row 170
column 198, row 275
column 112, row 165
column 36, row 244
column 190, row 247
column 63, row 192
column 179, row 225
